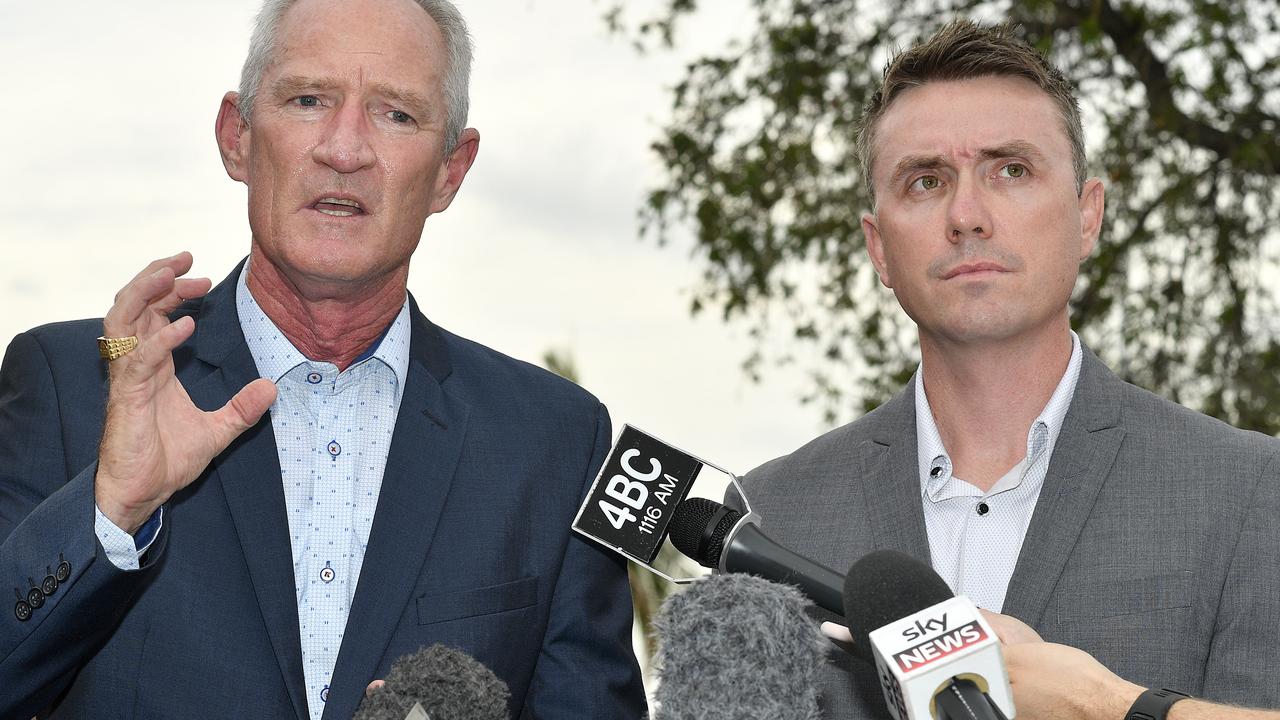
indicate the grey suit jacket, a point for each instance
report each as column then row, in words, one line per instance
column 1154, row 546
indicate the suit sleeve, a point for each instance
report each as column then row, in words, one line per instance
column 47, row 542
column 1244, row 658
column 587, row 667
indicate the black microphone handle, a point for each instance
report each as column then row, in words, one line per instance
column 964, row 700
column 751, row 551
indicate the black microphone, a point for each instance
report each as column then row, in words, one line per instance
column 737, row 646
column 936, row 656
column 720, row 538
column 445, row 683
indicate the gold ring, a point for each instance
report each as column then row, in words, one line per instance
column 112, row 348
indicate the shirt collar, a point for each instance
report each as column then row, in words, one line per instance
column 931, row 455
column 275, row 356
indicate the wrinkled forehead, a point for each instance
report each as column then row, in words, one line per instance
column 393, row 42
column 958, row 119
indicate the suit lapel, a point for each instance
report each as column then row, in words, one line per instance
column 424, row 453
column 249, row 473
column 1082, row 457
column 891, row 479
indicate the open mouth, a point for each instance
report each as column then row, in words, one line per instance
column 338, row 207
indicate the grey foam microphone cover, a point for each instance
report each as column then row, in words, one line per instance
column 450, row 685
column 736, row 646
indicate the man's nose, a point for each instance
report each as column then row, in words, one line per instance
column 968, row 215
column 345, row 145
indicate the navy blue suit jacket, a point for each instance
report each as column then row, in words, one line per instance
column 470, row 544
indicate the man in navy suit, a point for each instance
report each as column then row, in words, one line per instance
column 196, row 556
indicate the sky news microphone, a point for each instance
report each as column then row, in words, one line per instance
column 437, row 683
column 720, row 538
column 936, row 656
column 736, row 646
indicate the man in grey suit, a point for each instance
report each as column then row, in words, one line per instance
column 1033, row 479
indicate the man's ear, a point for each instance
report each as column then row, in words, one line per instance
column 1092, row 205
column 875, row 248
column 232, row 132
column 455, row 169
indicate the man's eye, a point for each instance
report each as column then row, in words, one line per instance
column 307, row 101
column 1013, row 170
column 400, row 116
column 927, row 182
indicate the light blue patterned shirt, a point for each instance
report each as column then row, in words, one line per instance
column 974, row 536
column 333, row 431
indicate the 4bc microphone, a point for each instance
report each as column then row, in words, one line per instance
column 720, row 538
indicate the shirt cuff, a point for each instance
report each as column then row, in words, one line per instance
column 125, row 551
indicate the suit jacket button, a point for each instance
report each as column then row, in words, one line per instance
column 22, row 611
column 35, row 598
column 49, row 585
column 63, row 570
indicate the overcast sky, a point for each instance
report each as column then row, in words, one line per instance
column 110, row 162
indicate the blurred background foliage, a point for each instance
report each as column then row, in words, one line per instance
column 1180, row 100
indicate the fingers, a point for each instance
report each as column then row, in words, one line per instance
column 241, row 412
column 152, row 294
column 374, row 686
column 837, row 632
column 1010, row 629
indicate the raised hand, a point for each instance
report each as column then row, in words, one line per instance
column 155, row 440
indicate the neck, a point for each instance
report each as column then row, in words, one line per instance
column 985, row 396
column 326, row 323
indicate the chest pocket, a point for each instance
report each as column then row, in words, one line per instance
column 460, row 604
column 1096, row 601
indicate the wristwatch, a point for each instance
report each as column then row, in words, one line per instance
column 1154, row 704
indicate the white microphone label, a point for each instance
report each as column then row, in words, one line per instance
column 918, row 655
column 417, row 712
column 639, row 485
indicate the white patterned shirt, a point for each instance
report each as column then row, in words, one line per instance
column 333, row 431
column 974, row 536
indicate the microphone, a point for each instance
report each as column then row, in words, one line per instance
column 937, row 657
column 737, row 646
column 720, row 538
column 437, row 683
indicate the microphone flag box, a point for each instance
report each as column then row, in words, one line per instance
column 919, row 655
column 630, row 504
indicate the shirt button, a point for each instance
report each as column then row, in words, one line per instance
column 314, row 378
column 935, row 472
column 334, row 448
column 326, row 574
column 983, row 508
column 324, row 694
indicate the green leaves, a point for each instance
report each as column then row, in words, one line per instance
column 1181, row 100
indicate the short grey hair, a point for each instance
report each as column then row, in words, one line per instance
column 457, row 46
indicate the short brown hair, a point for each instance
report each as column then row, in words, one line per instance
column 963, row 50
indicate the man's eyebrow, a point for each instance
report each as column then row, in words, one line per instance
column 410, row 99
column 287, row 86
column 914, row 163
column 1013, row 148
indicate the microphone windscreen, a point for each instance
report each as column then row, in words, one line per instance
column 884, row 586
column 699, row 528
column 737, row 646
column 449, row 684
